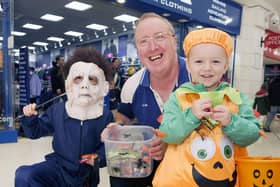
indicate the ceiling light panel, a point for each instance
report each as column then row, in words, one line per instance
column 76, row 5
column 40, row 43
column 51, row 17
column 32, row 26
column 31, row 47
column 126, row 18
column 55, row 39
column 96, row 27
column 121, row 1
column 73, row 33
column 16, row 33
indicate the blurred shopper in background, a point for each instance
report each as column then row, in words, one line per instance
column 113, row 48
column 115, row 85
column 46, row 94
column 145, row 92
column 35, row 86
column 274, row 101
column 57, row 79
column 261, row 103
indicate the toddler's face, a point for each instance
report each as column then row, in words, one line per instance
column 207, row 63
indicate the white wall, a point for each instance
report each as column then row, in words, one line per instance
column 249, row 68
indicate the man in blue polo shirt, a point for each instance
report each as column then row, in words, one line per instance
column 144, row 94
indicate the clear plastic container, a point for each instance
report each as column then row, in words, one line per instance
column 126, row 151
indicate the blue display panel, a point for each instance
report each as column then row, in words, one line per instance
column 23, row 77
column 222, row 14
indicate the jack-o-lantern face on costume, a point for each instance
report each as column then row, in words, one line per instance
column 212, row 160
column 259, row 172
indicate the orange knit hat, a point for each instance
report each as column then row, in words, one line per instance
column 208, row 35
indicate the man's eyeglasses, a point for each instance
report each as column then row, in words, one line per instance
column 157, row 37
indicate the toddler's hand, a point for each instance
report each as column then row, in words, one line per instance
column 202, row 108
column 29, row 110
column 222, row 114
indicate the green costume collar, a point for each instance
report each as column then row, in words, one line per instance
column 216, row 96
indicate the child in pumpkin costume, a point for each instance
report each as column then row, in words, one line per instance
column 207, row 123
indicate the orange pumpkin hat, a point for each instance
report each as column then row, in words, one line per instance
column 208, row 35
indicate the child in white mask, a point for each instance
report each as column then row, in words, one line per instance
column 75, row 125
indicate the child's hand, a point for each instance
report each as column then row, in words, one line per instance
column 202, row 108
column 89, row 159
column 29, row 110
column 222, row 114
column 109, row 126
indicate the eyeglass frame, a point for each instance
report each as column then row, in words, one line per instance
column 154, row 38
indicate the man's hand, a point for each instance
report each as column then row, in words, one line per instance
column 157, row 149
column 29, row 110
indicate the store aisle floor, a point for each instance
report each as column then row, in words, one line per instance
column 27, row 151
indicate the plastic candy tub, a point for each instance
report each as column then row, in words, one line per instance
column 126, row 151
column 258, row 171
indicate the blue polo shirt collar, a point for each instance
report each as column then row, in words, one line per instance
column 183, row 76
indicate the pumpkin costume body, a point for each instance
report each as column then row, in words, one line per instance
column 208, row 161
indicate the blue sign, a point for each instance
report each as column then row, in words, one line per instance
column 23, row 76
column 222, row 14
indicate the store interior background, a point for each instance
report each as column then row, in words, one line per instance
column 121, row 34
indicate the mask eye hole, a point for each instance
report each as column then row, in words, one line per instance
column 78, row 79
column 93, row 80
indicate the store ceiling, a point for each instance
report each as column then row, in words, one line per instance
column 102, row 12
column 30, row 11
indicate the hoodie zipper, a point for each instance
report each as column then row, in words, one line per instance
column 80, row 147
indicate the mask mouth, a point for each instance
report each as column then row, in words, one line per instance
column 85, row 95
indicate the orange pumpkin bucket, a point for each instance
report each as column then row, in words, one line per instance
column 258, row 171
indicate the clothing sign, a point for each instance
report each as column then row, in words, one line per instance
column 272, row 40
column 225, row 15
column 23, row 77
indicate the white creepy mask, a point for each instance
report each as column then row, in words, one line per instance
column 86, row 88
